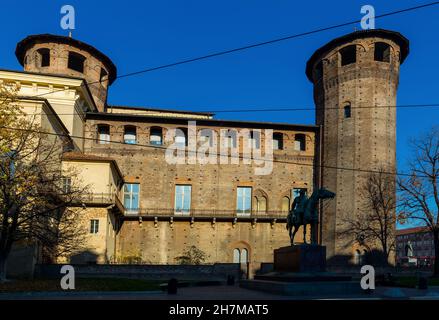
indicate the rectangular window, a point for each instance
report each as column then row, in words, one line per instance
column 156, row 136
column 299, row 142
column 76, row 62
column 382, row 52
column 277, row 141
column 129, row 136
column 131, row 197
column 45, row 57
column 244, row 200
column 66, row 184
column 254, row 140
column 94, row 226
column 183, row 199
column 348, row 55
column 103, row 134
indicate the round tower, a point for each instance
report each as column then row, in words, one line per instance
column 59, row 55
column 355, row 81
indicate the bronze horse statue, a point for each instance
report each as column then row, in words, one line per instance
column 310, row 215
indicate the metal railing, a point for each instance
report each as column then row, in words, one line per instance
column 102, row 199
column 205, row 213
column 98, row 198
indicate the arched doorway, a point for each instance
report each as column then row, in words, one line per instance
column 241, row 256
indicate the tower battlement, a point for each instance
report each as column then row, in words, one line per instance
column 53, row 54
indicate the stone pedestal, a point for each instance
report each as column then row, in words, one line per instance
column 300, row 258
column 299, row 270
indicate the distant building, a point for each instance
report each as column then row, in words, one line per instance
column 414, row 247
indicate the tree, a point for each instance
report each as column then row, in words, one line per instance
column 419, row 192
column 193, row 255
column 375, row 224
column 35, row 200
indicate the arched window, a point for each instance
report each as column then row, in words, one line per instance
column 76, row 62
column 285, row 204
column 347, row 111
column 156, row 136
column 103, row 134
column 44, row 57
column 382, row 52
column 244, row 256
column 348, row 55
column 299, row 142
column 129, row 135
column 181, row 137
column 261, row 204
column 236, row 256
column 278, row 141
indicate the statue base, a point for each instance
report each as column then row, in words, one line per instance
column 299, row 270
column 300, row 258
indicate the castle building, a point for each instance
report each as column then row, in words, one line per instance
column 142, row 208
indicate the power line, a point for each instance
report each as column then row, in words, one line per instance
column 217, row 154
column 255, row 45
column 407, row 106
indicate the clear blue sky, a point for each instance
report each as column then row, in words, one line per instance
column 143, row 34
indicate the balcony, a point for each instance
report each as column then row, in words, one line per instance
column 206, row 214
column 102, row 199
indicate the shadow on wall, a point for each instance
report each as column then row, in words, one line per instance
column 22, row 259
column 84, row 257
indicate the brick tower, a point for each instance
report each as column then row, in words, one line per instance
column 353, row 76
column 59, row 55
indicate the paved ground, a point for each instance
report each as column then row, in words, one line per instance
column 219, row 293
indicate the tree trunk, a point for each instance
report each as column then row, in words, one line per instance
column 2, row 268
column 436, row 253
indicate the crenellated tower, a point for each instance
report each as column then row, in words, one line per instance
column 59, row 55
column 355, row 80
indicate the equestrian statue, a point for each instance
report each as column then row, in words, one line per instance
column 304, row 211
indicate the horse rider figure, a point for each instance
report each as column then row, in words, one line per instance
column 299, row 206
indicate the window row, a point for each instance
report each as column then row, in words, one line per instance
column 348, row 55
column 75, row 61
column 183, row 199
column 206, row 135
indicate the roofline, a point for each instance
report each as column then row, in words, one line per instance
column 402, row 41
column 44, row 74
column 412, row 230
column 83, row 82
column 103, row 160
column 214, row 122
column 24, row 44
column 159, row 109
column 52, row 112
